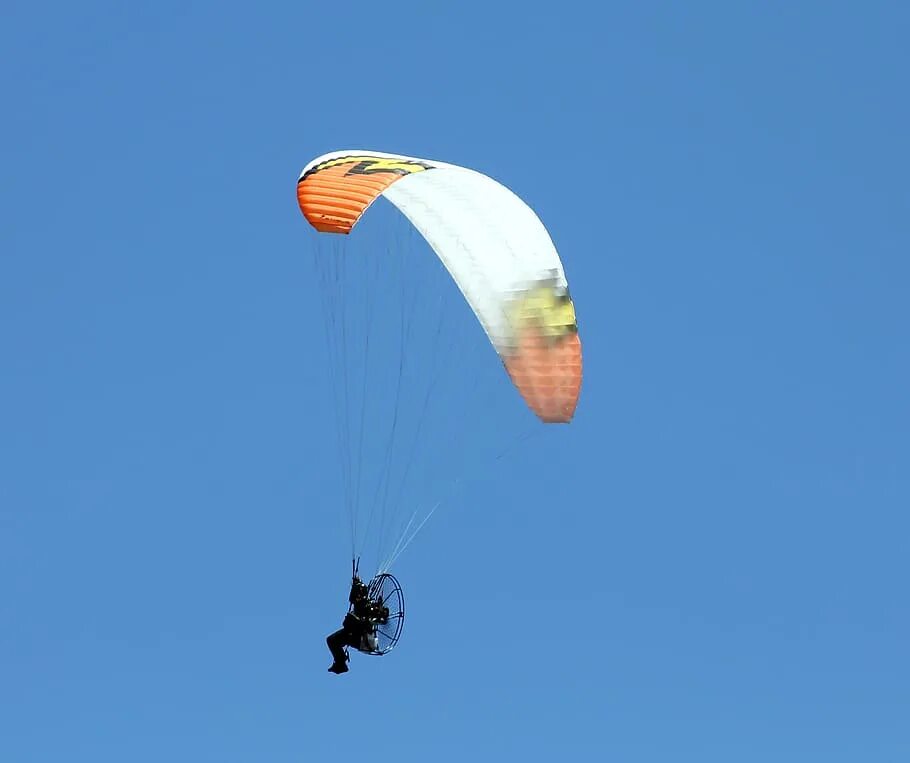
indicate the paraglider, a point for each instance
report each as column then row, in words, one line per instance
column 499, row 255
column 373, row 622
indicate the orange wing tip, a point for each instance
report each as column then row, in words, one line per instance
column 547, row 374
column 334, row 194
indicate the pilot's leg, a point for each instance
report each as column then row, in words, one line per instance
column 336, row 643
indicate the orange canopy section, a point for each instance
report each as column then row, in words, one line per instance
column 547, row 376
column 335, row 193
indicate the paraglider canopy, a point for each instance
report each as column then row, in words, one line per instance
column 492, row 244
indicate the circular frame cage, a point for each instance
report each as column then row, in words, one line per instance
column 385, row 590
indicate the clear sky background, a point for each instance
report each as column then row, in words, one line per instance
column 709, row 564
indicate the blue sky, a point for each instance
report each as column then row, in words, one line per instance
column 709, row 564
